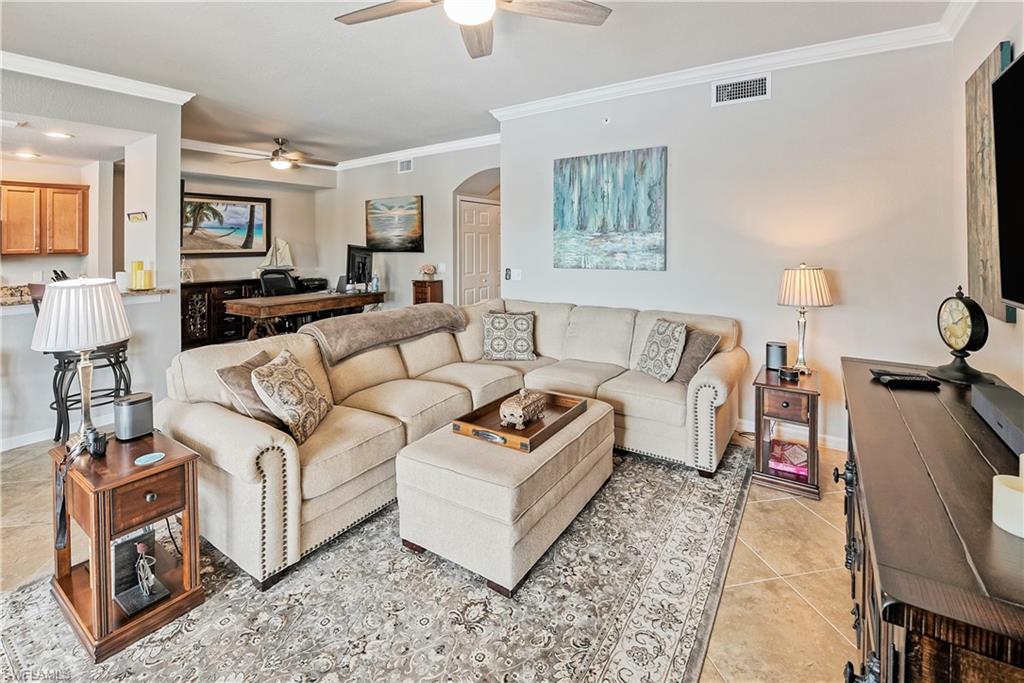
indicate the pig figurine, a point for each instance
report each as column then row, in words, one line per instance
column 522, row 408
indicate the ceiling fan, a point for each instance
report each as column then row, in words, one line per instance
column 474, row 16
column 282, row 159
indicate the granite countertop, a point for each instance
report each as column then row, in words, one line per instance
column 18, row 295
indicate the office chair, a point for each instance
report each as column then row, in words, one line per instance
column 278, row 282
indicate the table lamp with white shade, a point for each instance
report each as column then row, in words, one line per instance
column 804, row 287
column 81, row 315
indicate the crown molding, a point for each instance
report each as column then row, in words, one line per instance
column 426, row 150
column 955, row 16
column 941, row 31
column 214, row 148
column 10, row 61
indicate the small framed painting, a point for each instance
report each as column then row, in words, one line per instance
column 214, row 225
column 395, row 224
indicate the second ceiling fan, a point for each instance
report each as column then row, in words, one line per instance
column 474, row 16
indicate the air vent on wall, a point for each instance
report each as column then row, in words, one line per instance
column 745, row 89
column 405, row 166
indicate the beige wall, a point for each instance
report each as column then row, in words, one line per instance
column 848, row 166
column 341, row 217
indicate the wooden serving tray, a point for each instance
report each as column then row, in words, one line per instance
column 484, row 423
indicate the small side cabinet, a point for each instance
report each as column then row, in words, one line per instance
column 37, row 219
column 427, row 291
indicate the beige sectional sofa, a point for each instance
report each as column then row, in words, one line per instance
column 266, row 501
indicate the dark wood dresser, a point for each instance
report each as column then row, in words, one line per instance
column 937, row 588
column 203, row 318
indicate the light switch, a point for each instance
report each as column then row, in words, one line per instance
column 442, row 267
column 517, row 274
column 37, row 276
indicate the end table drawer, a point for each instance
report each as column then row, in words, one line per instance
column 147, row 499
column 785, row 405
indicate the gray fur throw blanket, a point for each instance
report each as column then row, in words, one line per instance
column 347, row 335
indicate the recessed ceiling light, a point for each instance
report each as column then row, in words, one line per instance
column 26, row 155
column 57, row 134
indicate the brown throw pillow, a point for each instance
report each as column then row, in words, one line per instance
column 508, row 336
column 660, row 355
column 289, row 391
column 699, row 348
column 237, row 379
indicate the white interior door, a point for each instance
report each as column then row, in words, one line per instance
column 479, row 251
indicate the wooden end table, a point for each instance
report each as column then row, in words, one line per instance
column 793, row 403
column 110, row 498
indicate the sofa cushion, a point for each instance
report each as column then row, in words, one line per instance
column 422, row 406
column 347, row 443
column 727, row 328
column 485, row 383
column 508, row 336
column 700, row 346
column 433, row 351
column 549, row 324
column 363, row 370
column 471, row 340
column 572, row 376
column 521, row 366
column 662, row 350
column 238, row 381
column 600, row 335
column 192, row 376
column 637, row 394
column 288, row 389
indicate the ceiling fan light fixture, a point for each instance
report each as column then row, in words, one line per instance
column 24, row 154
column 281, row 164
column 470, row 12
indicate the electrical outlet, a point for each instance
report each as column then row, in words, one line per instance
column 37, row 276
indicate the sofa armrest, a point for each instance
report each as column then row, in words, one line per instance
column 720, row 375
column 226, row 439
column 712, row 400
column 250, row 493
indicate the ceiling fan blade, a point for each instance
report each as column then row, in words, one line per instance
column 383, row 10
column 479, row 39
column 319, row 163
column 245, row 161
column 572, row 11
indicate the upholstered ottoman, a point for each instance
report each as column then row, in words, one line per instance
column 494, row 510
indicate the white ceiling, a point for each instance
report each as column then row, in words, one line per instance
column 340, row 92
column 90, row 143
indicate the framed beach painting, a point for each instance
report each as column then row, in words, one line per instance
column 395, row 223
column 224, row 225
column 609, row 210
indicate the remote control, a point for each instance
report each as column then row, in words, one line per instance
column 905, row 380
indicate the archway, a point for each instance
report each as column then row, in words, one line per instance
column 477, row 237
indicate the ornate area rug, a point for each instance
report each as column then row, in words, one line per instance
column 628, row 593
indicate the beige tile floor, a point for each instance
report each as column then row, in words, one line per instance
column 784, row 614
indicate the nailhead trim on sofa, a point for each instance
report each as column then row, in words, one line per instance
column 264, row 574
column 354, row 524
column 708, row 464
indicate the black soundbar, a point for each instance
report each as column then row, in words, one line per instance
column 1003, row 409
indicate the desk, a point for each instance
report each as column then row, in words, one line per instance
column 264, row 309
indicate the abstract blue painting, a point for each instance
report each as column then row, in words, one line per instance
column 609, row 211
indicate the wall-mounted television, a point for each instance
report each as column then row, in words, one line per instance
column 1008, row 126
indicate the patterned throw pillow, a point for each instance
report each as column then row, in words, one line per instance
column 289, row 391
column 237, row 379
column 508, row 336
column 700, row 346
column 661, row 353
